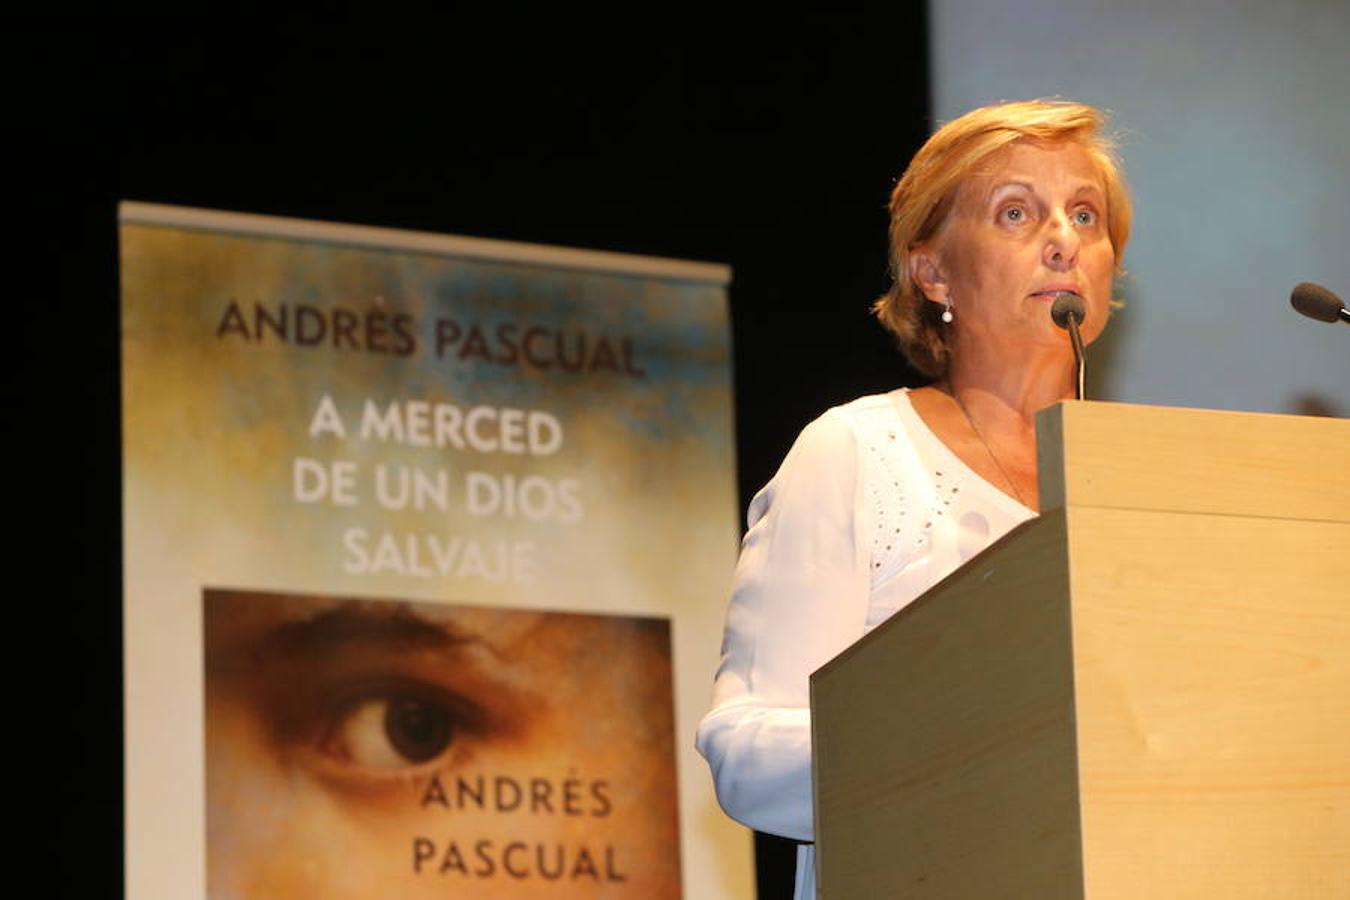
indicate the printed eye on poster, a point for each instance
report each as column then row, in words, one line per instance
column 427, row 540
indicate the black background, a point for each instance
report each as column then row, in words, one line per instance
column 770, row 145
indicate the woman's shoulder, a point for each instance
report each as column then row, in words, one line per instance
column 870, row 414
column 842, row 431
column 844, row 436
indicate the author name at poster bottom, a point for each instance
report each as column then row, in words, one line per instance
column 487, row 858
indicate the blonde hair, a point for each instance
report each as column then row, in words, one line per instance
column 925, row 194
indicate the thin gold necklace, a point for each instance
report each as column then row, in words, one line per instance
column 987, row 449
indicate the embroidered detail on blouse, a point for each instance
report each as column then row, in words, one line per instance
column 882, row 470
column 907, row 499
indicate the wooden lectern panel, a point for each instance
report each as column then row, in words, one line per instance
column 1143, row 693
column 945, row 760
column 1212, row 682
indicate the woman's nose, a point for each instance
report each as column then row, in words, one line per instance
column 1061, row 242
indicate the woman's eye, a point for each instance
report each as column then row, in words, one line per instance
column 1085, row 217
column 1013, row 214
column 391, row 731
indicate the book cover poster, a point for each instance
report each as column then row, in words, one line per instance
column 367, row 429
column 360, row 748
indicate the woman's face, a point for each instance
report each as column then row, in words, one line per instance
column 1031, row 224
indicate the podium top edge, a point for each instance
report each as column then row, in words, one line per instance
column 1128, row 456
column 1105, row 407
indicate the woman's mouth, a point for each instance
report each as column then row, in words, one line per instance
column 1051, row 293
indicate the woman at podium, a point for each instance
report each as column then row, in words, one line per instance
column 1002, row 211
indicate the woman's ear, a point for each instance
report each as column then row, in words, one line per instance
column 926, row 270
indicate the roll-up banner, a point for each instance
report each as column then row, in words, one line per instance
column 427, row 541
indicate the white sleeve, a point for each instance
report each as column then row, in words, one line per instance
column 800, row 597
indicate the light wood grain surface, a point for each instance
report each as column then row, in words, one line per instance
column 1144, row 693
column 1212, row 670
column 1194, row 460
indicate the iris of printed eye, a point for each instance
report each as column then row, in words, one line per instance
column 418, row 730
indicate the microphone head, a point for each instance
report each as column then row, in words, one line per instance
column 1316, row 302
column 1066, row 305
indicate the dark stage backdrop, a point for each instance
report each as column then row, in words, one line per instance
column 766, row 144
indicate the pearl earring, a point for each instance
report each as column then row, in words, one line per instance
column 947, row 313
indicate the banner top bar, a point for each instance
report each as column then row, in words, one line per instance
column 136, row 213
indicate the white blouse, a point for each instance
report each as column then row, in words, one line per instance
column 869, row 510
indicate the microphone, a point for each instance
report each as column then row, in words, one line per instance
column 1316, row 302
column 1068, row 311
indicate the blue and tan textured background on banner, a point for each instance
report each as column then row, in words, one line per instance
column 328, row 420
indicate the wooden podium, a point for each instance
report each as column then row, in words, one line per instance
column 1144, row 693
